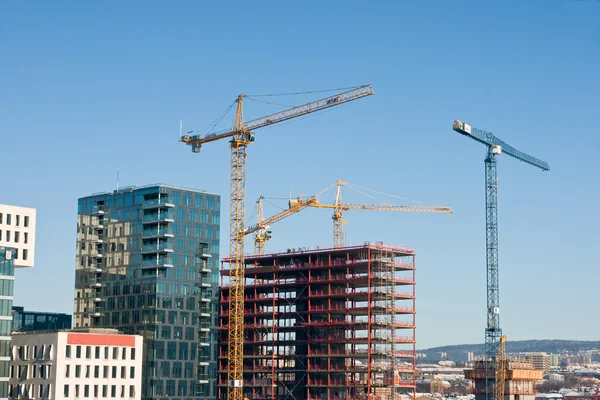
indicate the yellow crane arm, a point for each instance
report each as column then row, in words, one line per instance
column 281, row 116
column 385, row 207
column 295, row 206
column 382, row 207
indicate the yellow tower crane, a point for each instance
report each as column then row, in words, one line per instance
column 240, row 137
column 340, row 208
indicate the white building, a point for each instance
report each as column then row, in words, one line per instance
column 17, row 231
column 77, row 364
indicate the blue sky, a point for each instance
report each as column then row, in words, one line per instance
column 88, row 89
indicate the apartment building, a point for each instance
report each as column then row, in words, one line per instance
column 83, row 364
column 17, row 250
column 147, row 264
column 17, row 231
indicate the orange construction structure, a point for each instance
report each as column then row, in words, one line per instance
column 519, row 384
column 335, row 323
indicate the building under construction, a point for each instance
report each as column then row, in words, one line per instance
column 326, row 324
column 519, row 383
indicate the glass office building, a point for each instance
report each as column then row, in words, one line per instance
column 24, row 321
column 7, row 280
column 147, row 264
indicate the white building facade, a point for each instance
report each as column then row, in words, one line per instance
column 79, row 364
column 17, row 231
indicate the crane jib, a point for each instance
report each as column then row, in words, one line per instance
column 285, row 115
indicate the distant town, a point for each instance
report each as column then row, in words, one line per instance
column 566, row 374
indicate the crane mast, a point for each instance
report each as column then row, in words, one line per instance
column 493, row 332
column 241, row 136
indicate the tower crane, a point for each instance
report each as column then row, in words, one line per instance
column 240, row 136
column 495, row 146
column 340, row 208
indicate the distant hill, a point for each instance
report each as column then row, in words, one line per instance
column 458, row 352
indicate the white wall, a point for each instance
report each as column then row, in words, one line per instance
column 18, row 215
column 57, row 378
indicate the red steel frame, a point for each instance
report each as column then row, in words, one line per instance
column 326, row 324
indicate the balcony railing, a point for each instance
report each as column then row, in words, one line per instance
column 158, row 203
column 157, row 232
column 158, row 217
column 160, row 263
column 157, row 247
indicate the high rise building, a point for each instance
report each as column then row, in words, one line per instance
column 147, row 263
column 38, row 321
column 17, row 249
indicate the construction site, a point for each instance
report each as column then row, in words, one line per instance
column 334, row 323
column 338, row 323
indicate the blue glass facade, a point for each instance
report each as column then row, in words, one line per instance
column 7, row 274
column 38, row 321
column 147, row 263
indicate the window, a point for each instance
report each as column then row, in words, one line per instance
column 0, row 234
column 105, row 372
column 78, row 371
column 133, row 353
column 97, row 352
column 114, row 372
column 104, row 391
column 25, row 237
column 17, row 236
column 86, row 391
column 95, row 390
column 78, row 352
column 67, row 371
column 8, row 219
column 17, row 219
column 113, row 391
column 132, row 373
column 124, row 354
column 66, row 391
column 25, row 222
column 96, row 373
column 8, row 236
column 25, row 253
column 87, row 371
column 106, row 353
column 123, row 372
column 76, row 390
column 131, row 391
column 88, row 352
column 68, row 351
column 0, row 218
column 115, row 351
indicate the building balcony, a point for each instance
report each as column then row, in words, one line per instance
column 157, row 248
column 98, row 210
column 95, row 284
column 160, row 217
column 160, row 263
column 157, row 232
column 158, row 203
column 99, row 225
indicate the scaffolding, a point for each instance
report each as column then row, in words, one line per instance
column 326, row 324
